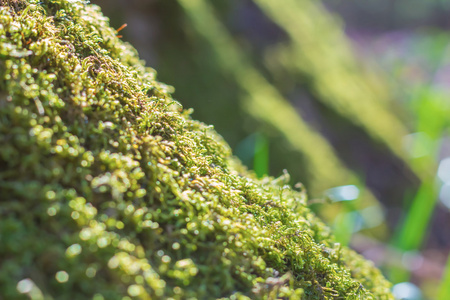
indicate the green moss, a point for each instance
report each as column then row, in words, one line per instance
column 108, row 190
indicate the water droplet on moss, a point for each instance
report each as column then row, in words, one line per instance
column 73, row 250
column 51, row 211
column 24, row 286
column 134, row 290
column 62, row 276
column 90, row 272
column 75, row 215
column 50, row 195
column 98, row 297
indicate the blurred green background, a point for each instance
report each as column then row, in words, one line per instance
column 350, row 97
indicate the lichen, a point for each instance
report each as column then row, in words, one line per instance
column 109, row 190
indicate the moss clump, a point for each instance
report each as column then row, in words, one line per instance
column 110, row 191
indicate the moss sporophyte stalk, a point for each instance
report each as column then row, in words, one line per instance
column 109, row 190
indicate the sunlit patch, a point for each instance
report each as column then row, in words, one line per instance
column 444, row 170
column 406, row 291
column 372, row 216
column 343, row 193
column 418, row 144
column 412, row 260
column 444, row 194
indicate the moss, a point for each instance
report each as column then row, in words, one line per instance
column 109, row 190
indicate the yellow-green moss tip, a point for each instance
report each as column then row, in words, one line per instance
column 108, row 190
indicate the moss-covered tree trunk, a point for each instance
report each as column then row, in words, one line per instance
column 108, row 189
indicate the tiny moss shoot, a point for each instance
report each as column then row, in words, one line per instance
column 109, row 190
